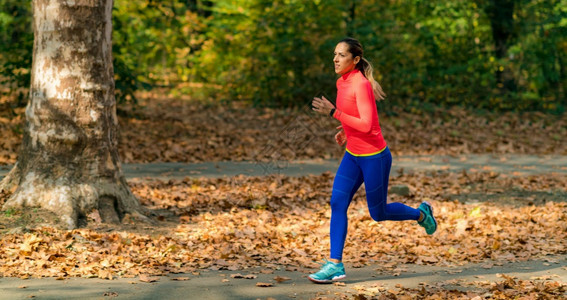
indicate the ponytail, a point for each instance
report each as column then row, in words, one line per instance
column 355, row 48
column 366, row 68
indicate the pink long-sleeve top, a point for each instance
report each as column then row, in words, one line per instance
column 356, row 110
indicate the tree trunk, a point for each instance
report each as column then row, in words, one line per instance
column 501, row 15
column 350, row 21
column 562, row 79
column 68, row 162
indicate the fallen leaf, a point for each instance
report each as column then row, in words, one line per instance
column 264, row 284
column 281, row 279
column 104, row 274
column 110, row 294
column 248, row 276
column 180, row 278
column 147, row 278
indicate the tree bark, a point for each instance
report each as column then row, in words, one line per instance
column 350, row 21
column 501, row 15
column 69, row 162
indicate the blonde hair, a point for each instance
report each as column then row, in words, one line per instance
column 367, row 69
column 355, row 48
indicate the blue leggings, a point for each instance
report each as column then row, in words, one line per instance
column 374, row 171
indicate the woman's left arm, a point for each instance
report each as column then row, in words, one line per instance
column 364, row 98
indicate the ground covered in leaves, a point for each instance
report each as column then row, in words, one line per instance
column 268, row 222
column 243, row 222
column 508, row 288
column 160, row 129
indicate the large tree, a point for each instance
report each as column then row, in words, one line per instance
column 68, row 162
column 501, row 16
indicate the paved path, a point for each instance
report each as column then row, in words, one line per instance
column 219, row 285
column 510, row 163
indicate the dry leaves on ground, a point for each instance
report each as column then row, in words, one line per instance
column 146, row 278
column 509, row 288
column 242, row 222
column 264, row 284
column 281, row 279
column 181, row 278
column 247, row 276
column 175, row 130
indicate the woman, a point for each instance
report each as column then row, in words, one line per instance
column 367, row 158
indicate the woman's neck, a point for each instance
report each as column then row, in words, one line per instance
column 347, row 74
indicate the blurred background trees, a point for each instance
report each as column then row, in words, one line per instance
column 498, row 55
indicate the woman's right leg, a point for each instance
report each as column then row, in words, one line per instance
column 347, row 181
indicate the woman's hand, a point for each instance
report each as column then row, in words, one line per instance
column 340, row 137
column 322, row 105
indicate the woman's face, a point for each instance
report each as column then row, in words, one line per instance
column 344, row 62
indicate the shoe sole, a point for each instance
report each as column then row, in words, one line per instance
column 431, row 212
column 336, row 278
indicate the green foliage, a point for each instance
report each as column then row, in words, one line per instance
column 279, row 53
column 540, row 55
column 16, row 48
column 435, row 52
column 271, row 52
column 16, row 45
column 153, row 41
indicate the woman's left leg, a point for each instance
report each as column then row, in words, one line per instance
column 376, row 172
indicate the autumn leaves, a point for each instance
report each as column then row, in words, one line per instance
column 181, row 131
column 250, row 222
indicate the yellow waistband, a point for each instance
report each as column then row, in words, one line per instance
column 369, row 154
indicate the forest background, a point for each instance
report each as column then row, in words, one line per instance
column 488, row 55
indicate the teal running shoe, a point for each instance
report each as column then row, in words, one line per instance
column 428, row 222
column 329, row 272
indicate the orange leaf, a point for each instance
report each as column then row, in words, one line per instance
column 264, row 284
column 147, row 278
column 180, row 278
column 281, row 278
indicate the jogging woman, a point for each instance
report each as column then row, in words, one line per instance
column 367, row 158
